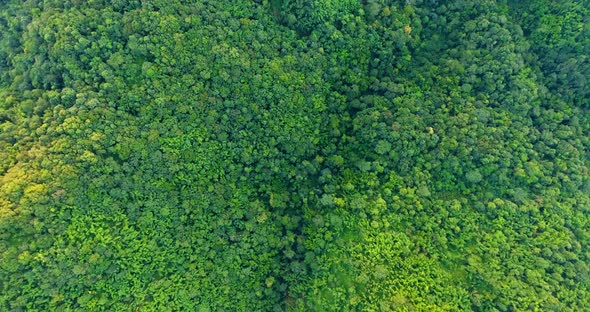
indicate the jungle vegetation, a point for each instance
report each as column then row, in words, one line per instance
column 294, row 155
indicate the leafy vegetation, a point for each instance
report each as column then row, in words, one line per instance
column 294, row 155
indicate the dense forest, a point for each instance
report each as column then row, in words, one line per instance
column 294, row 155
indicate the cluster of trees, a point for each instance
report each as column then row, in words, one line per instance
column 559, row 39
column 294, row 155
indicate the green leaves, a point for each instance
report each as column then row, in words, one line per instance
column 371, row 155
column 382, row 147
column 473, row 176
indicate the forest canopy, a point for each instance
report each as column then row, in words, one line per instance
column 294, row 155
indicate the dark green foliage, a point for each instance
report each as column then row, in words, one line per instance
column 294, row 155
column 559, row 35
